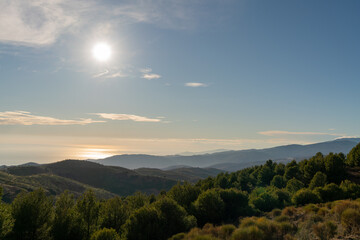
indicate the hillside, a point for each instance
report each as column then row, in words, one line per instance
column 180, row 174
column 52, row 184
column 232, row 160
column 333, row 220
column 116, row 180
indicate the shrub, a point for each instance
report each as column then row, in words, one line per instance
column 322, row 211
column 282, row 218
column 289, row 211
column 268, row 227
column 350, row 219
column 248, row 233
column 330, row 192
column 286, row 228
column 311, row 208
column 275, row 213
column 341, row 206
column 105, row 234
column 179, row 236
column 226, row 231
column 247, row 222
column 305, row 196
column 350, row 189
column 325, row 231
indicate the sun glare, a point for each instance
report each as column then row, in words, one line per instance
column 95, row 153
column 101, row 52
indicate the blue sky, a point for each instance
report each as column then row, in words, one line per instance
column 183, row 76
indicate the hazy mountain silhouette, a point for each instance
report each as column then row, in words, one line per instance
column 232, row 160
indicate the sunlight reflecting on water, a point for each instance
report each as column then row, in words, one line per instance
column 95, row 153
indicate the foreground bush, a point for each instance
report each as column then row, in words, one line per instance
column 105, row 234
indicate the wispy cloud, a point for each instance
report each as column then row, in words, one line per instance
column 37, row 22
column 195, row 84
column 26, row 118
column 42, row 22
column 115, row 73
column 123, row 117
column 277, row 133
column 147, row 74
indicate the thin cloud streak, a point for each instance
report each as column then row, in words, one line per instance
column 150, row 76
column 26, row 118
column 124, row 117
column 276, row 133
column 195, row 84
column 147, row 74
column 110, row 74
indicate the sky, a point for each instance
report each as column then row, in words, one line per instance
column 179, row 76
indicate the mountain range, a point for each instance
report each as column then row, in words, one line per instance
column 231, row 160
column 76, row 176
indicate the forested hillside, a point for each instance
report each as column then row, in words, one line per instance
column 265, row 202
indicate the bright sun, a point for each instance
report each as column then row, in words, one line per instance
column 101, row 52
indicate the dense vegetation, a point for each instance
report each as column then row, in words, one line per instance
column 223, row 199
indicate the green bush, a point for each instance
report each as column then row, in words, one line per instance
column 305, row 196
column 282, row 218
column 226, row 231
column 105, row 234
column 179, row 236
column 248, row 233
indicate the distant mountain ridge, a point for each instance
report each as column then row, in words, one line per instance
column 107, row 181
column 232, row 160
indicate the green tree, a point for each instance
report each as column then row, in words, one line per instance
column 209, row 207
column 265, row 202
column 265, row 175
column 353, row 158
column 312, row 166
column 319, row 180
column 6, row 220
column 292, row 172
column 222, row 181
column 236, row 203
column 66, row 225
column 335, row 167
column 173, row 218
column 136, row 201
column 143, row 224
column 33, row 214
column 350, row 189
column 88, row 208
column 280, row 169
column 278, row 181
column 330, row 192
column 105, row 234
column 114, row 213
column 305, row 196
column 294, row 185
column 184, row 194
